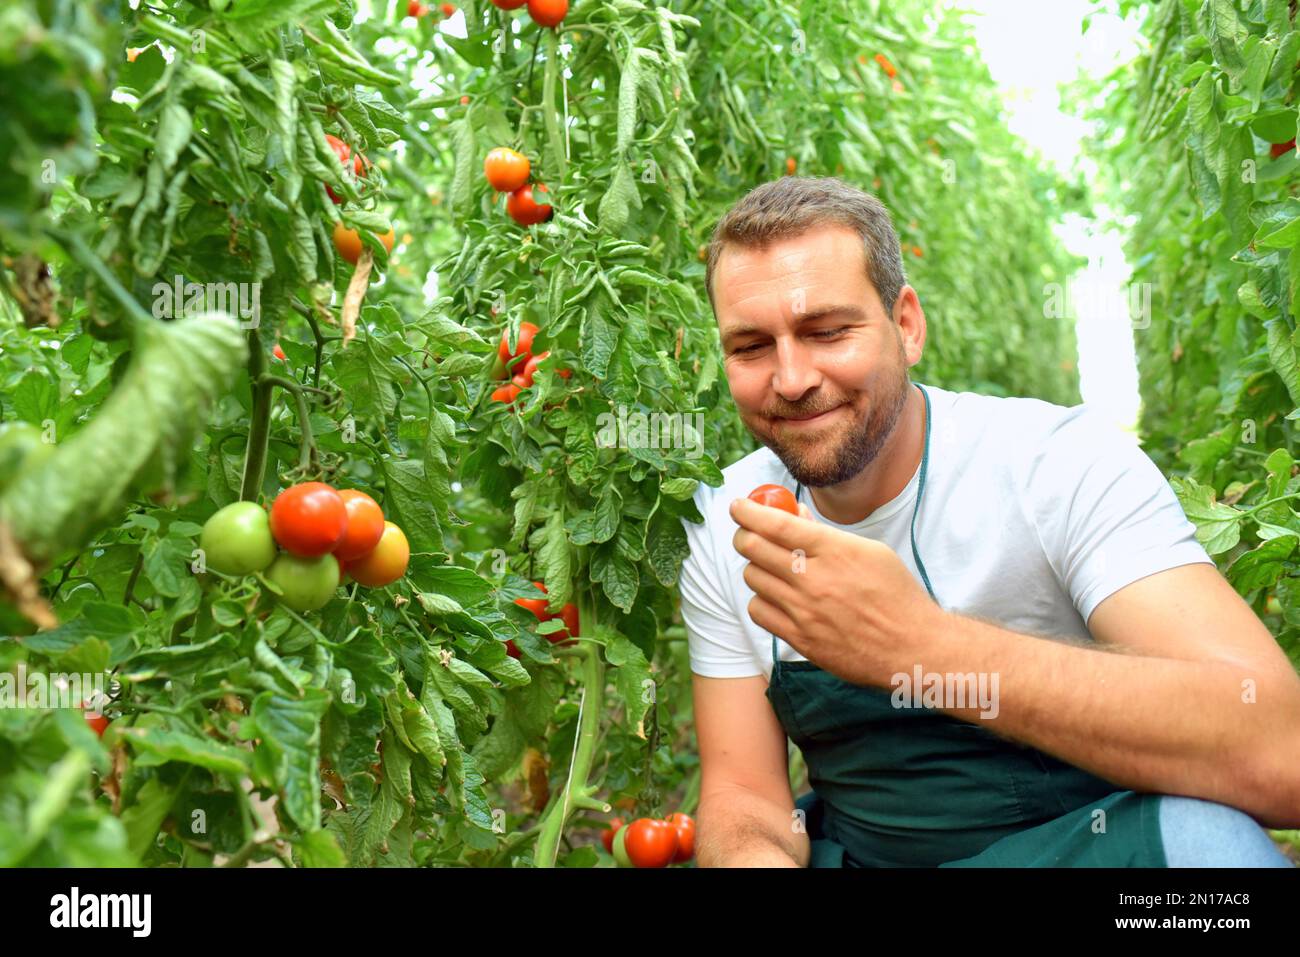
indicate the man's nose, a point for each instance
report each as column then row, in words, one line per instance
column 795, row 373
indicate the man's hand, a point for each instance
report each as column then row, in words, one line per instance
column 846, row 603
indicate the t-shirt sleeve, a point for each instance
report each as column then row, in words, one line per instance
column 716, row 638
column 1105, row 514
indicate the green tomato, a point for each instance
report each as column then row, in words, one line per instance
column 237, row 539
column 307, row 583
column 21, row 447
column 620, row 848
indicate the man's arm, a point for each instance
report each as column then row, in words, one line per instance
column 746, row 812
column 1189, row 693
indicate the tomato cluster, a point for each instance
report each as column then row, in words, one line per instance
column 508, row 358
column 651, row 842
column 568, row 614
column 324, row 534
column 348, row 242
column 508, row 171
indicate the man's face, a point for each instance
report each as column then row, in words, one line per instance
column 815, row 364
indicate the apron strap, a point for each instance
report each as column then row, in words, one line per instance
column 920, row 491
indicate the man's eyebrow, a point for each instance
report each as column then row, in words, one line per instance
column 821, row 312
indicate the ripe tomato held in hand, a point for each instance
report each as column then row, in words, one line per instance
column 309, row 519
column 237, row 540
column 527, row 332
column 607, row 835
column 685, row 826
column 506, row 170
column 548, row 13
column 524, row 209
column 386, row 562
column 651, row 842
column 307, row 584
column 365, row 525
column 776, row 496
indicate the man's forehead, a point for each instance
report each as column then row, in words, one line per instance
column 806, row 270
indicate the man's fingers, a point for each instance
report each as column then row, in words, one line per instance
column 767, row 555
column 774, row 524
column 770, row 618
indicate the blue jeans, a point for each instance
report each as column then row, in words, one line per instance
column 1195, row 833
column 1200, row 833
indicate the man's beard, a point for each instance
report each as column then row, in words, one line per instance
column 858, row 448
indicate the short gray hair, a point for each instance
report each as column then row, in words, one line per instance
column 792, row 205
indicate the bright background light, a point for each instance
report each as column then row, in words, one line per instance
column 1033, row 47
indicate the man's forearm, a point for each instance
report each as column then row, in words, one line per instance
column 1151, row 724
column 738, row 828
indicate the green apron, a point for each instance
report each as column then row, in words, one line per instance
column 899, row 787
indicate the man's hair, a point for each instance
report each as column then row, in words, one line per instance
column 792, row 205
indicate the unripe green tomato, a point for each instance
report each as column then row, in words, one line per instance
column 237, row 539
column 620, row 848
column 307, row 583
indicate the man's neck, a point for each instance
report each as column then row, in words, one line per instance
column 886, row 476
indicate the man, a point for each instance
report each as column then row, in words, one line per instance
column 1132, row 710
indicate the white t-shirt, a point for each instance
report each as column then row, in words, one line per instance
column 1033, row 514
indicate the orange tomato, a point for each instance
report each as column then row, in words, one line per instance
column 506, row 169
column 348, row 241
column 524, row 209
column 386, row 562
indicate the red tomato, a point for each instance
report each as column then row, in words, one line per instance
column 506, row 170
column 1279, row 149
column 890, row 70
column 524, row 209
column 308, row 519
column 386, row 562
column 97, row 722
column 685, row 826
column 509, row 4
column 527, row 332
column 416, row 9
column 512, row 649
column 448, row 9
column 790, row 165
column 607, row 835
column 343, row 151
column 530, row 369
column 536, row 605
column 506, row 394
column 651, row 842
column 548, row 13
column 569, row 614
column 365, row 525
column 520, row 383
column 777, row 496
column 278, row 352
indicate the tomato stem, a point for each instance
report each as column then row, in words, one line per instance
column 576, row 790
column 259, row 424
